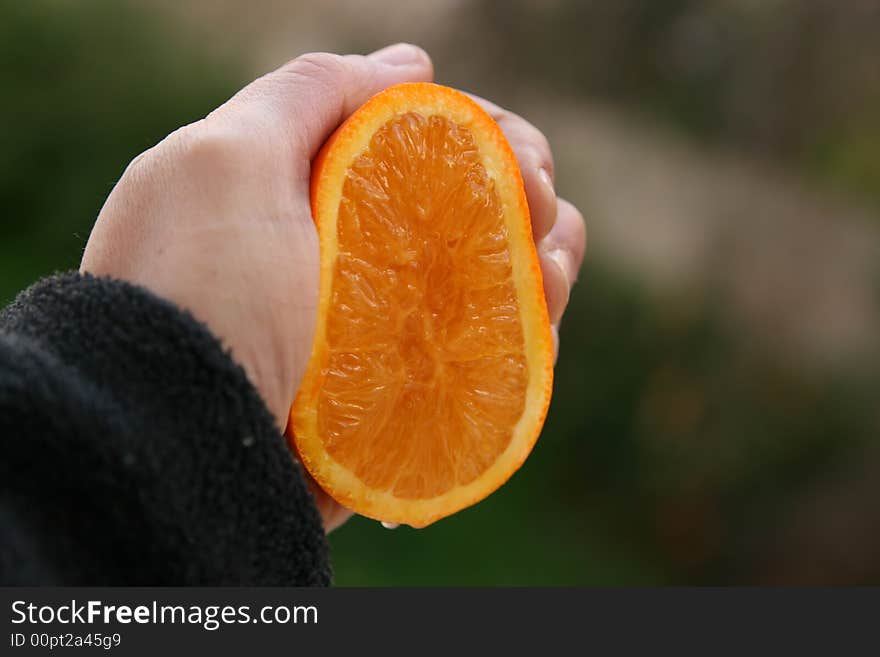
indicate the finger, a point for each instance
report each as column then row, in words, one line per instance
column 561, row 254
column 332, row 513
column 306, row 99
column 535, row 160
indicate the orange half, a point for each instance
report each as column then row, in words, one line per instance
column 432, row 363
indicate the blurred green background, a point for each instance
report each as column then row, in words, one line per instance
column 715, row 417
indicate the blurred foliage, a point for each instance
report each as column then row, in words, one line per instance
column 86, row 87
column 796, row 81
column 676, row 450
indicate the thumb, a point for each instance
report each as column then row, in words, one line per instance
column 307, row 98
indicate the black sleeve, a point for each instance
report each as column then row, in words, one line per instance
column 134, row 450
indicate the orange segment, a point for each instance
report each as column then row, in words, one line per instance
column 431, row 367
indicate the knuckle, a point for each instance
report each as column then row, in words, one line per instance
column 139, row 162
column 539, row 158
column 500, row 114
column 569, row 208
column 570, row 229
column 319, row 67
column 206, row 152
column 535, row 150
column 528, row 133
column 207, row 143
column 541, row 144
column 578, row 224
column 162, row 153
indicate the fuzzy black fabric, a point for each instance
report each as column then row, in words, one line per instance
column 134, row 450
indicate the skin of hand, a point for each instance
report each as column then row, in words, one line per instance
column 216, row 217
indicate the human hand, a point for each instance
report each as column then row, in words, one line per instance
column 216, row 217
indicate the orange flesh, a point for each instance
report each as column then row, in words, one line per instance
column 426, row 375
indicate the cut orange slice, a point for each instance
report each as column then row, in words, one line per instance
column 431, row 368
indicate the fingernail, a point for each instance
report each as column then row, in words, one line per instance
column 544, row 175
column 563, row 260
column 400, row 54
column 390, row 525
